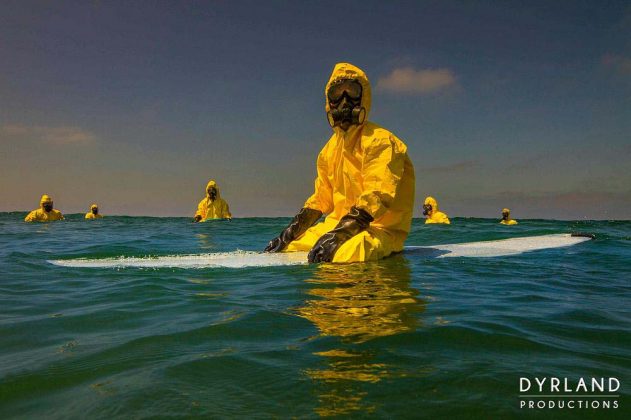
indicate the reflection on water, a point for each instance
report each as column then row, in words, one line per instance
column 341, row 381
column 205, row 241
column 358, row 303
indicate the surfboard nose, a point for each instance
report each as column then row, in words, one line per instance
column 583, row 235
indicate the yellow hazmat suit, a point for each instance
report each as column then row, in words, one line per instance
column 368, row 167
column 41, row 215
column 213, row 209
column 435, row 216
column 508, row 220
column 90, row 215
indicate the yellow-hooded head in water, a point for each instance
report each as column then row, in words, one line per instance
column 364, row 184
column 430, row 209
column 94, row 212
column 46, row 212
column 212, row 206
column 506, row 219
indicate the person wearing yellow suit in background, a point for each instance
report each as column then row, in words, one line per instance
column 364, row 184
column 213, row 206
column 506, row 220
column 46, row 212
column 93, row 213
column 430, row 209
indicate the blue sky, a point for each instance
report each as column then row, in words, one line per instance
column 135, row 105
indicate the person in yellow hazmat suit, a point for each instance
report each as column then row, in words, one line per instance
column 93, row 213
column 430, row 209
column 46, row 212
column 364, row 183
column 506, row 220
column 212, row 206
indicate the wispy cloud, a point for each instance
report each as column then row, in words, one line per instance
column 452, row 167
column 571, row 205
column 407, row 80
column 574, row 199
column 56, row 136
column 618, row 63
column 517, row 165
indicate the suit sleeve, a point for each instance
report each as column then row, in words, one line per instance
column 200, row 209
column 382, row 170
column 322, row 198
column 226, row 210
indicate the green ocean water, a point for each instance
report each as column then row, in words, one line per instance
column 406, row 337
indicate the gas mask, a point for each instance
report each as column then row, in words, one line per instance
column 48, row 207
column 427, row 209
column 212, row 193
column 344, row 98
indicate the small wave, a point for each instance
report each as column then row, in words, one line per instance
column 237, row 259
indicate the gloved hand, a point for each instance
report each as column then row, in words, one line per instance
column 299, row 224
column 197, row 218
column 356, row 221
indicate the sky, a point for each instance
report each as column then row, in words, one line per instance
column 136, row 105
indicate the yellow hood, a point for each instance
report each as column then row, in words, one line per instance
column 45, row 199
column 349, row 71
column 212, row 183
column 505, row 210
column 432, row 202
column 94, row 206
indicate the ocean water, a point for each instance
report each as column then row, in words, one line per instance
column 406, row 337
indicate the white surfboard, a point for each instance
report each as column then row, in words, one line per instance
column 241, row 259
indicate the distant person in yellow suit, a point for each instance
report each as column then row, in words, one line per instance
column 506, row 220
column 93, row 213
column 364, row 183
column 213, row 206
column 46, row 212
column 430, row 209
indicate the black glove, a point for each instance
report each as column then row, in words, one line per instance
column 299, row 224
column 197, row 218
column 356, row 221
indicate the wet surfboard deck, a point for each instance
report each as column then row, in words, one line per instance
column 241, row 259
